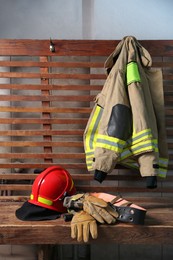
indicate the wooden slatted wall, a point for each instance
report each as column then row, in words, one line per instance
column 45, row 101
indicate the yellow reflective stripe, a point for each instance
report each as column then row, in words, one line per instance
column 111, row 139
column 130, row 164
column 140, row 136
column 89, row 166
column 45, row 201
column 132, row 73
column 92, row 128
column 149, row 145
column 42, row 200
column 163, row 162
column 89, row 153
column 162, row 172
column 125, row 154
column 110, row 143
column 89, row 159
column 143, row 148
column 163, row 165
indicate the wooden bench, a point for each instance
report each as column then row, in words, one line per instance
column 45, row 101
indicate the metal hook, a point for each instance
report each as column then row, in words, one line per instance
column 52, row 46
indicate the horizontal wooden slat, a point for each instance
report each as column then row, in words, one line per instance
column 67, row 165
column 50, row 144
column 51, row 87
column 64, row 132
column 75, row 64
column 71, row 98
column 122, row 189
column 42, row 155
column 17, row 187
column 84, row 177
column 167, row 77
column 40, row 143
column 41, row 165
column 27, row 187
column 77, row 47
column 57, row 64
column 22, row 109
column 17, row 176
column 67, row 121
column 77, row 76
column 163, row 64
column 77, row 110
column 67, row 64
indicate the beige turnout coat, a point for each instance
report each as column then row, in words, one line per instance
column 127, row 124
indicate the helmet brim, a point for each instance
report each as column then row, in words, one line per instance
column 29, row 212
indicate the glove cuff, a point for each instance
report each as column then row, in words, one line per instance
column 99, row 176
column 151, row 182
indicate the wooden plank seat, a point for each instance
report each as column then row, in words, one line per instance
column 45, row 101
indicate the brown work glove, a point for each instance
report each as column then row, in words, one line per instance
column 99, row 209
column 96, row 207
column 82, row 225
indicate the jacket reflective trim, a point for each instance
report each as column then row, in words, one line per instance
column 130, row 164
column 132, row 73
column 110, row 143
column 92, row 129
column 148, row 145
column 163, row 165
column 90, row 154
column 125, row 154
column 142, row 135
column 89, row 165
column 91, row 136
column 134, row 165
column 163, row 162
column 162, row 172
column 89, row 159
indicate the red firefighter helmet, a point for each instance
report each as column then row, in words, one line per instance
column 50, row 187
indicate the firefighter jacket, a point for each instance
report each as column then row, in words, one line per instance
column 127, row 124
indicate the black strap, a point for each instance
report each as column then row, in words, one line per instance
column 130, row 214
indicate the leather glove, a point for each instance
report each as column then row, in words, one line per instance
column 99, row 209
column 96, row 207
column 82, row 225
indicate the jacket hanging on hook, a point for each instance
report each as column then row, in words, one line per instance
column 127, row 124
